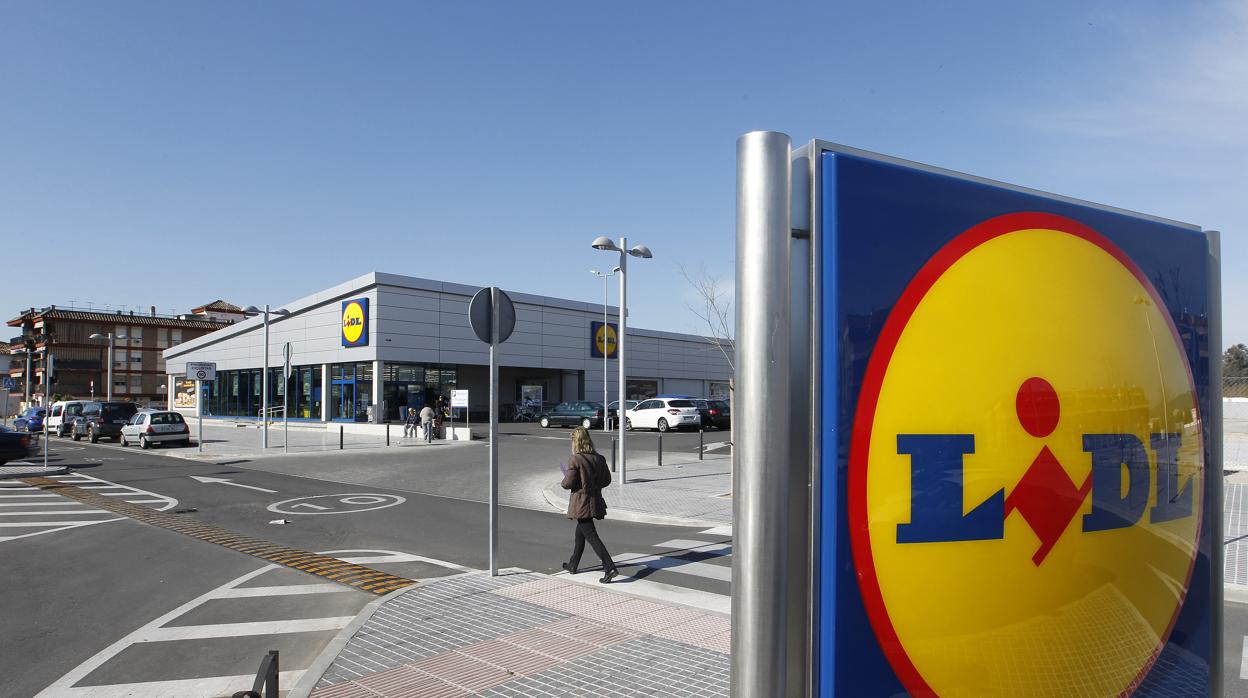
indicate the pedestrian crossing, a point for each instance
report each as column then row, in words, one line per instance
column 27, row 511
column 693, row 572
column 213, row 644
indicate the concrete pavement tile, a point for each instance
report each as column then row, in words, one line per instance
column 511, row 657
column 463, row 670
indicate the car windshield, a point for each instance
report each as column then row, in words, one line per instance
column 117, row 411
column 679, row 403
column 594, row 405
column 166, row 418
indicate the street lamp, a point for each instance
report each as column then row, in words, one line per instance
column 112, row 343
column 606, row 424
column 264, row 376
column 603, row 242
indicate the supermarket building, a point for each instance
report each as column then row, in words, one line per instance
column 366, row 349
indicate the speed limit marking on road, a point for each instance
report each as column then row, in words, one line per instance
column 350, row 503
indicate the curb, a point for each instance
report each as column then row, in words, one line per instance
column 554, row 497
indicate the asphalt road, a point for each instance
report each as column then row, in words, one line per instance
column 74, row 592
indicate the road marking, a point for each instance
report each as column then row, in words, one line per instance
column 43, row 504
column 177, row 688
column 132, row 495
column 224, row 481
column 355, row 502
column 15, row 496
column 155, row 631
column 1243, row 661
column 289, row 590
column 675, row 564
column 275, row 627
column 696, row 546
column 27, row 524
column 402, row 557
column 659, row 591
column 718, row 531
column 73, row 512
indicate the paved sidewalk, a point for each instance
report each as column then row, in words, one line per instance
column 525, row 634
column 225, row 439
column 698, row 491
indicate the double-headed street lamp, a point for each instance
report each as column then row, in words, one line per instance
column 112, row 343
column 606, row 423
column 605, row 243
column 264, row 375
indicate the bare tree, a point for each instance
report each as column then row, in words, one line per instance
column 714, row 309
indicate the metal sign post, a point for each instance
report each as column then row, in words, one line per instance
column 47, row 406
column 286, row 370
column 492, row 317
column 201, row 372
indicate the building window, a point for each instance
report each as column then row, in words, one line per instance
column 136, row 336
column 119, row 384
column 162, row 337
column 136, row 384
column 176, row 338
column 121, row 360
column 642, row 388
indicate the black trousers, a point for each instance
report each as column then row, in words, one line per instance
column 585, row 531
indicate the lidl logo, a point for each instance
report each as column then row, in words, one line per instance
column 355, row 323
column 1026, row 468
column 606, row 339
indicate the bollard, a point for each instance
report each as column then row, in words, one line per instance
column 387, row 433
column 613, row 439
column 701, row 448
column 339, row 437
column 660, row 449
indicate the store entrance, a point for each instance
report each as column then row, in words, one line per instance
column 403, row 396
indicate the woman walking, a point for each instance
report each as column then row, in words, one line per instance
column 586, row 475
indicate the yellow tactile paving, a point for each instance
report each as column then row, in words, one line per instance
column 348, row 574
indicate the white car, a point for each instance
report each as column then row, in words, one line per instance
column 663, row 414
column 61, row 418
column 147, row 428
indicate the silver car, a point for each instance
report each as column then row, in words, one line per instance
column 147, row 428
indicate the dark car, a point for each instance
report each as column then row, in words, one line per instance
column 571, row 414
column 31, row 419
column 16, row 445
column 103, row 420
column 614, row 404
column 717, row 415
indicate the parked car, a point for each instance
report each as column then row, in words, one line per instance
column 16, row 445
column 663, row 414
column 574, row 413
column 30, row 419
column 154, row 427
column 720, row 414
column 61, row 420
column 615, row 404
column 103, row 420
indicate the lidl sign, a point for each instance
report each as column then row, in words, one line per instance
column 355, row 323
column 606, row 338
column 1013, row 442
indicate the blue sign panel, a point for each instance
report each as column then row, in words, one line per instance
column 604, row 339
column 355, row 323
column 1014, row 496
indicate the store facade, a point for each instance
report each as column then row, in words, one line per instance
column 368, row 349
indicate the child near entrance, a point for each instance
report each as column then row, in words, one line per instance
column 409, row 423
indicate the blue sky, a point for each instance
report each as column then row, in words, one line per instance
column 175, row 153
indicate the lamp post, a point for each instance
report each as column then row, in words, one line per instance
column 112, row 343
column 606, row 424
column 605, row 243
column 264, row 375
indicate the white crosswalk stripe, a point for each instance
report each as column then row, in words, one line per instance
column 694, row 573
column 30, row 511
column 232, row 606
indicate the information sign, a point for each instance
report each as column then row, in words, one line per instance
column 201, row 371
column 459, row 398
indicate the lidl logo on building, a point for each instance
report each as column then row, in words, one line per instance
column 1026, row 468
column 606, row 339
column 355, row 323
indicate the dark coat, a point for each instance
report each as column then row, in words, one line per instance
column 587, row 475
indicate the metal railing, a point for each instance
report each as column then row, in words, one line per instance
column 1234, row 386
column 266, row 679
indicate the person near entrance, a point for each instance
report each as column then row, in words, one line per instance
column 586, row 474
column 426, row 421
column 409, row 423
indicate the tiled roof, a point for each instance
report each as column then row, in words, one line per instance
column 220, row 306
column 119, row 318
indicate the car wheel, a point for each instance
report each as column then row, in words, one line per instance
column 144, row 443
column 92, row 436
column 186, row 443
column 587, row 423
column 75, row 436
column 663, row 424
column 545, row 422
column 123, row 441
column 628, row 424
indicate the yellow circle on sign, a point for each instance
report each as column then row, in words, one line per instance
column 1029, row 300
column 352, row 322
column 606, row 340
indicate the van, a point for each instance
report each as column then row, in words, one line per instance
column 61, row 419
